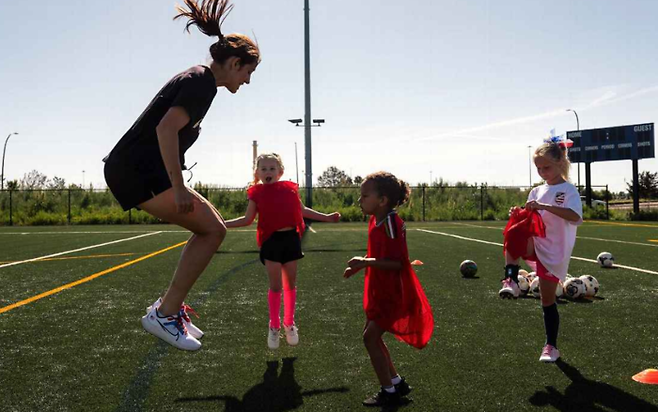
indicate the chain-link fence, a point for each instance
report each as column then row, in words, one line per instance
column 427, row 203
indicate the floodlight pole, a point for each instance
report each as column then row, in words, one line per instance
column 529, row 167
column 307, row 105
column 2, row 175
column 577, row 128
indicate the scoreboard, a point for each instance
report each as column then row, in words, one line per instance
column 612, row 143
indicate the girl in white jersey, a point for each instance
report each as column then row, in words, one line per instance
column 558, row 203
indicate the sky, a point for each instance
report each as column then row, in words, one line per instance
column 425, row 89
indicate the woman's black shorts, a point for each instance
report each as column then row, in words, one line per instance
column 282, row 247
column 132, row 186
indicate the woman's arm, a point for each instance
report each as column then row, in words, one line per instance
column 167, row 131
column 245, row 220
column 322, row 217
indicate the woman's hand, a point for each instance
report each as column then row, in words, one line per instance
column 334, row 217
column 184, row 200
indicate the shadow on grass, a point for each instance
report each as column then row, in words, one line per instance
column 584, row 395
column 276, row 393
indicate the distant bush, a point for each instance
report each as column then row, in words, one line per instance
column 431, row 203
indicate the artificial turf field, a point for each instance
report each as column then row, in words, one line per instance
column 82, row 348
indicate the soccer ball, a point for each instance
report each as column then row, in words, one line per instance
column 534, row 287
column 524, row 285
column 531, row 276
column 574, row 288
column 559, row 290
column 606, row 259
column 468, row 268
column 591, row 285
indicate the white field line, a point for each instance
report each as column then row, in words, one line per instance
column 78, row 250
column 500, row 244
column 577, row 237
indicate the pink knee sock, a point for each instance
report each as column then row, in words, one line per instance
column 274, row 301
column 289, row 300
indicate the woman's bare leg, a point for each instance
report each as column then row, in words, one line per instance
column 208, row 232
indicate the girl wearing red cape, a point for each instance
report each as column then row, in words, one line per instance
column 394, row 300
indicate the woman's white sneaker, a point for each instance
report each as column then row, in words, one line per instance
column 292, row 337
column 194, row 331
column 273, row 338
column 170, row 329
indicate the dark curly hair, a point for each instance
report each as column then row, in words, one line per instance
column 386, row 184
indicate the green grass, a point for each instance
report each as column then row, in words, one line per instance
column 83, row 349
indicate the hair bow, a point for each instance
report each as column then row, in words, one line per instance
column 559, row 140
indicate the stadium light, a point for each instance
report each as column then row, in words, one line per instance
column 2, row 175
column 296, row 122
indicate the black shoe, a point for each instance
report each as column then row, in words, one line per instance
column 383, row 398
column 403, row 388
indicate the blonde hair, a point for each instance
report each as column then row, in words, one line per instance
column 265, row 156
column 557, row 154
column 386, row 184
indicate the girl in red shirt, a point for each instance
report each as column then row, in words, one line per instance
column 393, row 299
column 280, row 227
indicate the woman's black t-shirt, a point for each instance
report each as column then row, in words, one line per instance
column 193, row 90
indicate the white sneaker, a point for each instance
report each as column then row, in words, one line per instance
column 170, row 329
column 273, row 338
column 194, row 331
column 292, row 337
column 549, row 354
column 510, row 289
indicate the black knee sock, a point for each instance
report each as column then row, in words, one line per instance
column 512, row 272
column 551, row 323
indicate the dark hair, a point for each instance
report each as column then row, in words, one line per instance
column 396, row 190
column 208, row 17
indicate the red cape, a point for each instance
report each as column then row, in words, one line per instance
column 522, row 225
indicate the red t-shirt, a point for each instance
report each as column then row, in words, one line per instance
column 395, row 300
column 278, row 206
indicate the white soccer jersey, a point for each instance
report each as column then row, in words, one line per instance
column 554, row 250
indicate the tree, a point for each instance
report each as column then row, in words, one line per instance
column 648, row 185
column 358, row 180
column 57, row 183
column 33, row 180
column 334, row 177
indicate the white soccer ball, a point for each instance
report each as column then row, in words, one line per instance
column 606, row 259
column 534, row 287
column 591, row 285
column 531, row 276
column 559, row 290
column 574, row 288
column 524, row 285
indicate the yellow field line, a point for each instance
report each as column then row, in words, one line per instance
column 622, row 224
column 79, row 257
column 653, row 240
column 87, row 279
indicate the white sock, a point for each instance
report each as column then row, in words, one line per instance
column 396, row 379
column 389, row 389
